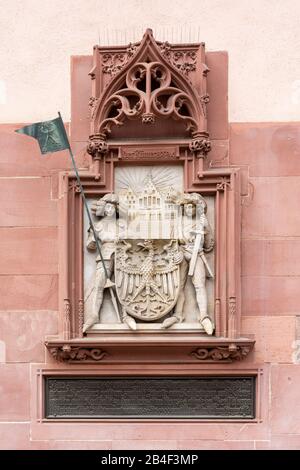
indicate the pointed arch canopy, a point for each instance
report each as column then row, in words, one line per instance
column 147, row 88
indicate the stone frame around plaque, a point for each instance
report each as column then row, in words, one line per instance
column 226, row 345
column 61, row 425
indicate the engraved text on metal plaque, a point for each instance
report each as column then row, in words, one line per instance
column 150, row 397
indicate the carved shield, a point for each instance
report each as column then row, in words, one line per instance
column 147, row 277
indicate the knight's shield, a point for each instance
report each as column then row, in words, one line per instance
column 147, row 277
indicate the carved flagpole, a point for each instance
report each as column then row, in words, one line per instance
column 108, row 283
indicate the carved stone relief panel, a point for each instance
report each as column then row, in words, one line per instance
column 148, row 232
column 166, row 283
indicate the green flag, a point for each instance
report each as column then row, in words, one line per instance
column 51, row 135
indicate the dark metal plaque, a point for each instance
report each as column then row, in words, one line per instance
column 150, row 397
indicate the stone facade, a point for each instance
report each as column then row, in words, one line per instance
column 270, row 280
column 268, row 156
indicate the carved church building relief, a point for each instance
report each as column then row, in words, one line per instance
column 166, row 283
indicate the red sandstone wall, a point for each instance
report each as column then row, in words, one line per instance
column 269, row 157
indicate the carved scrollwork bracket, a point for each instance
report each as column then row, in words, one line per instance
column 226, row 353
column 73, row 353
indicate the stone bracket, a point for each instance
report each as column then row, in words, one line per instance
column 150, row 348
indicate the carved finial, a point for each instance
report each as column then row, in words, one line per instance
column 148, row 32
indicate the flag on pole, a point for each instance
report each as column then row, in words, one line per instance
column 51, row 135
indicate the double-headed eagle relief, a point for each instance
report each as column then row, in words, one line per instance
column 147, row 277
column 152, row 241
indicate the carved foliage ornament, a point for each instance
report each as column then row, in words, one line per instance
column 200, row 146
column 114, row 62
column 185, row 61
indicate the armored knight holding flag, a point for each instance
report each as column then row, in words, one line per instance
column 107, row 232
